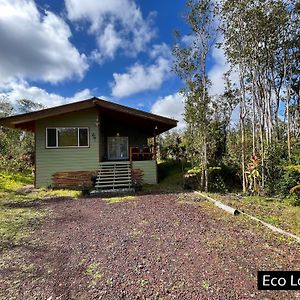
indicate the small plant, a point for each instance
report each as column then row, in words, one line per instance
column 205, row 285
column 92, row 271
column 143, row 283
column 253, row 175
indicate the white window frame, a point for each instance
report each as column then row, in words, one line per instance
column 67, row 127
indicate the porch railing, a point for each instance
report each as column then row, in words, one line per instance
column 142, row 153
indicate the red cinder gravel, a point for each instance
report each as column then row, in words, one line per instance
column 153, row 247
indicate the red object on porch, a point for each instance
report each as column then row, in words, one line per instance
column 135, row 152
column 146, row 153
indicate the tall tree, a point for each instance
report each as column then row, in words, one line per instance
column 191, row 66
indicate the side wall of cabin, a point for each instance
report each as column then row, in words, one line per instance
column 51, row 161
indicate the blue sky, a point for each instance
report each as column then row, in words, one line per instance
column 55, row 52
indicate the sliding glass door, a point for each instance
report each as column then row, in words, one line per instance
column 117, row 148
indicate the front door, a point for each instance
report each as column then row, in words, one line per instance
column 117, row 147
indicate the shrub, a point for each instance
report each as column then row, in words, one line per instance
column 276, row 156
column 222, row 178
column 216, row 181
column 289, row 179
column 192, row 178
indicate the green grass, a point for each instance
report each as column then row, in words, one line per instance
column 170, row 177
column 14, row 181
column 19, row 212
column 279, row 212
column 113, row 200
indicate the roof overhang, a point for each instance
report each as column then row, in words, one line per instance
column 148, row 121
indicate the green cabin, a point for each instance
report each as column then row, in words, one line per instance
column 89, row 138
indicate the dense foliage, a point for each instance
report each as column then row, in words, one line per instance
column 16, row 147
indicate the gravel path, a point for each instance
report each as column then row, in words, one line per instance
column 153, row 247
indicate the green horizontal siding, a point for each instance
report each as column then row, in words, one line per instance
column 50, row 161
column 150, row 170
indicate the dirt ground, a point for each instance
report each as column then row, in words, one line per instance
column 169, row 246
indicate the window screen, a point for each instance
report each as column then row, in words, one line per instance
column 83, row 137
column 51, row 137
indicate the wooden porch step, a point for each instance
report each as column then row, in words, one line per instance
column 114, row 183
column 114, row 180
column 114, row 175
column 114, row 170
column 117, row 163
column 112, row 186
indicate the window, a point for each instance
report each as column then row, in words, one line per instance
column 67, row 137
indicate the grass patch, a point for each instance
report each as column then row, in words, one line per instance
column 9, row 181
column 19, row 212
column 113, row 200
column 278, row 212
column 93, row 272
column 170, row 177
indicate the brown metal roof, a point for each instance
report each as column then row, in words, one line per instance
column 134, row 116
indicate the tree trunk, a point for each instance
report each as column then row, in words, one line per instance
column 253, row 116
column 205, row 165
column 288, row 125
column 242, row 124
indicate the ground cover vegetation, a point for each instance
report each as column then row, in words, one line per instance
column 22, row 208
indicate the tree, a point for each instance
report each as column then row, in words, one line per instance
column 16, row 147
column 259, row 41
column 191, row 66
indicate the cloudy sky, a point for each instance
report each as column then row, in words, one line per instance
column 56, row 52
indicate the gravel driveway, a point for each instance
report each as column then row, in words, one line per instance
column 169, row 246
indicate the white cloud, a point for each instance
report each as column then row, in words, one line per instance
column 116, row 24
column 139, row 78
column 36, row 46
column 109, row 41
column 22, row 90
column 171, row 106
column 160, row 50
column 188, row 39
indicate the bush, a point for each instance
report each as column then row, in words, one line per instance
column 276, row 156
column 216, row 181
column 192, row 179
column 289, row 179
column 221, row 178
